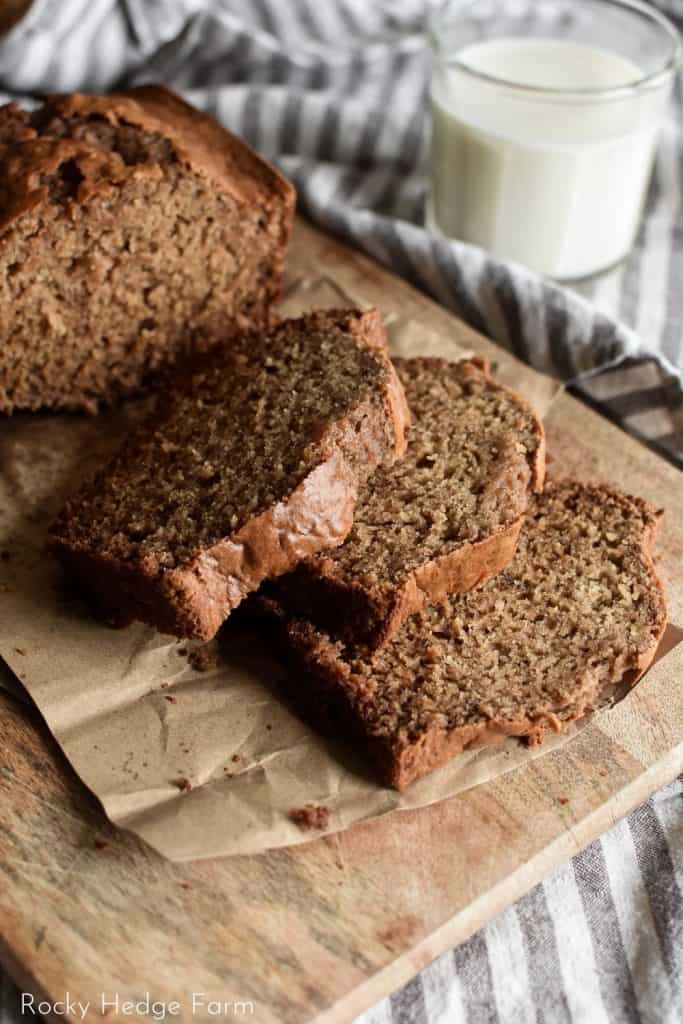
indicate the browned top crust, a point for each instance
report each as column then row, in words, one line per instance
column 30, row 153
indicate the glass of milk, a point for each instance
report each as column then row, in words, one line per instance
column 545, row 121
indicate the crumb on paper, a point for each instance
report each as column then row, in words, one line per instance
column 183, row 784
column 170, row 699
column 235, row 758
column 310, row 816
column 563, row 799
column 20, row 650
column 100, row 844
column 185, row 885
column 203, row 659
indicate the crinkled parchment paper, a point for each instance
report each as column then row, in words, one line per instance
column 199, row 764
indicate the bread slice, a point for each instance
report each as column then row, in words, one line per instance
column 133, row 229
column 576, row 616
column 443, row 520
column 254, row 463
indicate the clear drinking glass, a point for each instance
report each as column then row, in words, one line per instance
column 545, row 119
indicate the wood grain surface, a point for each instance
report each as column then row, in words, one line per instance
column 319, row 932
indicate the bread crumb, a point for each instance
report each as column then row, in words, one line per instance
column 235, row 758
column 563, row 799
column 170, row 699
column 310, row 817
column 183, row 784
column 20, row 650
column 203, row 659
column 100, row 844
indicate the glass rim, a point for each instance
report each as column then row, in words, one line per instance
column 647, row 81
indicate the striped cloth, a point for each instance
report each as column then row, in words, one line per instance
column 335, row 91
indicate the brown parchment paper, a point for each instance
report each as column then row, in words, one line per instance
column 199, row 764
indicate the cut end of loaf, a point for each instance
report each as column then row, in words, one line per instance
column 134, row 231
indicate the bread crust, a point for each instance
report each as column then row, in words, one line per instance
column 197, row 138
column 372, row 614
column 401, row 762
column 194, row 599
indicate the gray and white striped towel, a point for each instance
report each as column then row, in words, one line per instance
column 335, row 91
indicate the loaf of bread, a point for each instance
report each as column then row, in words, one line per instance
column 253, row 463
column 442, row 520
column 576, row 616
column 133, row 230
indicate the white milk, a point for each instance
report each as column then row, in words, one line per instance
column 556, row 184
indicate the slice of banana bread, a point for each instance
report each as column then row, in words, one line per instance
column 254, row 463
column 133, row 229
column 442, row 520
column 576, row 616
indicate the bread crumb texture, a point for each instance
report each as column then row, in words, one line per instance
column 467, row 472
column 311, row 817
column 475, row 456
column 539, row 645
column 252, row 460
column 235, row 437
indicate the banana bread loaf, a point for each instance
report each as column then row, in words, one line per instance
column 576, row 616
column 254, row 462
column 133, row 229
column 442, row 520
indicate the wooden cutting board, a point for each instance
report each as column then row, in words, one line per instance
column 321, row 931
